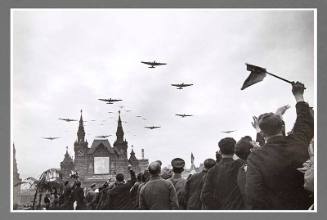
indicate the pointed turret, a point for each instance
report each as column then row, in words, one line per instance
column 132, row 155
column 67, row 165
column 120, row 131
column 120, row 144
column 80, row 132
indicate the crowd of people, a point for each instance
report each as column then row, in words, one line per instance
column 273, row 172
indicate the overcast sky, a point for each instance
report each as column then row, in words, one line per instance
column 64, row 60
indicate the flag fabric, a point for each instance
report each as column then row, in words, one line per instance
column 192, row 158
column 257, row 75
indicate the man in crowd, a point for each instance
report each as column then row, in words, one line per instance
column 91, row 197
column 119, row 197
column 134, row 190
column 78, row 195
column 220, row 190
column 177, row 180
column 242, row 149
column 157, row 193
column 272, row 178
column 194, row 185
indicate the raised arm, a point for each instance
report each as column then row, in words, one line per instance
column 303, row 129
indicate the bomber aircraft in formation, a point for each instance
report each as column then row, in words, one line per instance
column 227, row 132
column 183, row 115
column 152, row 127
column 103, row 136
column 181, row 85
column 153, row 64
column 67, row 119
column 110, row 100
column 50, row 138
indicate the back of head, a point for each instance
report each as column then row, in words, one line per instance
column 178, row 165
column 120, row 177
column 227, row 145
column 208, row 163
column 270, row 124
column 154, row 168
column 243, row 147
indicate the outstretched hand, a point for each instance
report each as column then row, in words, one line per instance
column 281, row 110
column 255, row 124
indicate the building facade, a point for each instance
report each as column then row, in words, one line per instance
column 101, row 161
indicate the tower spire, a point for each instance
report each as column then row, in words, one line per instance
column 81, row 132
column 120, row 131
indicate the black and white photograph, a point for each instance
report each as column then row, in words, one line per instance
column 163, row 110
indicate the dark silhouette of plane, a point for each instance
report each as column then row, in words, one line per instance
column 153, row 64
column 110, row 100
column 227, row 132
column 110, row 112
column 103, row 136
column 152, row 127
column 128, row 110
column 50, row 138
column 181, row 85
column 183, row 115
column 138, row 116
column 67, row 119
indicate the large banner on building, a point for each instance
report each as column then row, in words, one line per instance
column 101, row 165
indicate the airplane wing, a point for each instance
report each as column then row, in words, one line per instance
column 104, row 100
column 187, row 85
column 179, row 115
column 177, row 85
column 115, row 100
column 160, row 64
column 147, row 63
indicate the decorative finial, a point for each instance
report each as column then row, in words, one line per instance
column 81, row 111
column 66, row 148
column 119, row 112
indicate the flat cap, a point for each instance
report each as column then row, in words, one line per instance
column 178, row 163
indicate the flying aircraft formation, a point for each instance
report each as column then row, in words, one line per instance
column 153, row 64
column 67, row 119
column 103, row 136
column 50, row 138
column 152, row 127
column 181, row 85
column 110, row 100
column 227, row 132
column 183, row 115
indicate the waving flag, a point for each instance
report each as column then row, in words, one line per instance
column 257, row 75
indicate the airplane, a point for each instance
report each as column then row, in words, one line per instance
column 103, row 136
column 110, row 100
column 152, row 127
column 67, row 119
column 227, row 132
column 138, row 116
column 128, row 110
column 153, row 64
column 50, row 138
column 183, row 115
column 110, row 112
column 181, row 85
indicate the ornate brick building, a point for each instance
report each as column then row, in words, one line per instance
column 101, row 161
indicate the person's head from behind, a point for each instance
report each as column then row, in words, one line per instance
column 208, row 163
column 243, row 147
column 271, row 125
column 145, row 176
column 227, row 146
column 178, row 165
column 120, row 178
column 154, row 168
